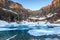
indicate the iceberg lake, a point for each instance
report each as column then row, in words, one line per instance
column 29, row 31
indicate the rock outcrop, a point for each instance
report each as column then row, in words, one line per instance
column 49, row 10
column 11, row 11
column 54, row 8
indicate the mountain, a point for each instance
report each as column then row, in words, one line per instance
column 51, row 12
column 11, row 11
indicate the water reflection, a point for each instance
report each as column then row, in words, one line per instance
column 52, row 39
column 23, row 35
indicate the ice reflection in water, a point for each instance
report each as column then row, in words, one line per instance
column 29, row 31
column 52, row 39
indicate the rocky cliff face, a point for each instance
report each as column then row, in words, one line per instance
column 56, row 6
column 51, row 9
column 54, row 9
column 11, row 11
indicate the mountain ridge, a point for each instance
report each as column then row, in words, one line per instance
column 16, row 12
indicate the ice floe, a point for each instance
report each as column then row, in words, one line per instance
column 40, row 32
column 3, row 23
column 35, row 28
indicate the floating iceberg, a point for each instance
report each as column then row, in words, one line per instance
column 40, row 32
column 7, row 29
column 25, row 25
column 3, row 23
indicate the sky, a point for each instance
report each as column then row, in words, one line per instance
column 33, row 4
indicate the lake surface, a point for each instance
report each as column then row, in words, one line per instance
column 29, row 31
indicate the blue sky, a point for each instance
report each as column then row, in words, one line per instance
column 33, row 4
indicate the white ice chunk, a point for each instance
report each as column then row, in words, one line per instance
column 3, row 23
column 40, row 32
column 7, row 29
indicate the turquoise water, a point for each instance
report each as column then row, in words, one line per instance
column 29, row 31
